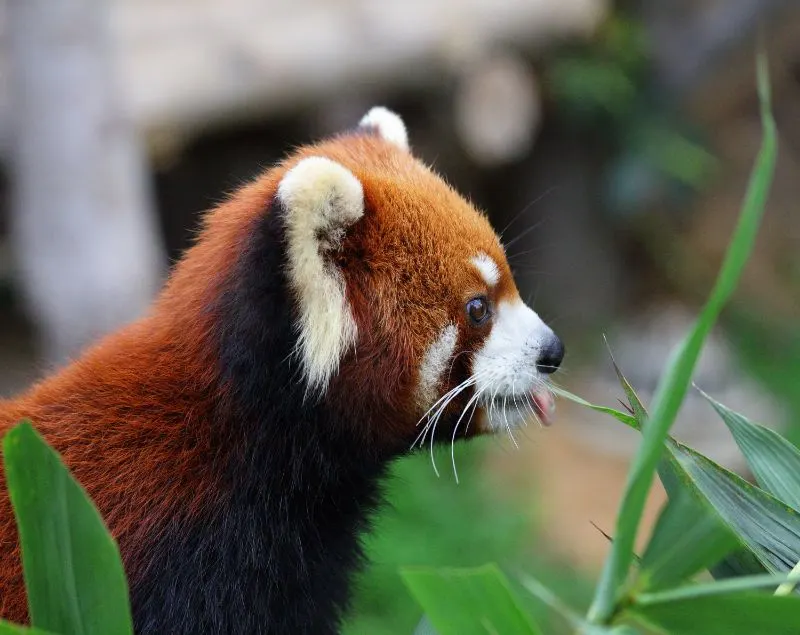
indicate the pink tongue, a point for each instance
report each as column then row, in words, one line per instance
column 545, row 405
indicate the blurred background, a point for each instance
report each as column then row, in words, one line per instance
column 609, row 141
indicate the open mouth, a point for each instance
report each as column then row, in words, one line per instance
column 545, row 407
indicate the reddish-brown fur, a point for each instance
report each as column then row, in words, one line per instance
column 131, row 416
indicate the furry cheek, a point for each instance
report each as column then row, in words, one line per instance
column 434, row 365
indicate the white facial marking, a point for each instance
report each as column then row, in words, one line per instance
column 504, row 368
column 321, row 200
column 488, row 269
column 434, row 364
column 389, row 126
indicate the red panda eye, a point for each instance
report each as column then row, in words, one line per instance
column 478, row 310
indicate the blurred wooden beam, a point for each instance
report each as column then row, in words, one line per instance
column 186, row 65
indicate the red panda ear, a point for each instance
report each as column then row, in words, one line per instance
column 321, row 200
column 388, row 125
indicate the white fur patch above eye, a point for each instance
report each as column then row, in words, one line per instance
column 321, row 199
column 488, row 269
column 388, row 124
column 433, row 365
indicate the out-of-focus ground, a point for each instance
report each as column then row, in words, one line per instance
column 613, row 141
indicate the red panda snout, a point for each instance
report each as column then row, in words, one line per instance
column 510, row 381
column 508, row 353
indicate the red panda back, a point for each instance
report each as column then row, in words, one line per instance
column 95, row 414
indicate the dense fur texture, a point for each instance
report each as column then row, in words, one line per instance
column 235, row 437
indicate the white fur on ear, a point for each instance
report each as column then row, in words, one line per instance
column 388, row 124
column 321, row 199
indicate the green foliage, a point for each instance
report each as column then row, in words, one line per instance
column 434, row 522
column 606, row 87
column 469, row 601
column 685, row 540
column 766, row 526
column 590, row 84
column 675, row 382
column 600, row 82
column 770, row 350
column 14, row 629
column 774, row 461
column 710, row 514
column 742, row 612
column 713, row 519
column 73, row 573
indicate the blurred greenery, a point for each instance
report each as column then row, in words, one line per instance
column 770, row 352
column 605, row 89
column 733, row 512
column 433, row 521
column 475, row 601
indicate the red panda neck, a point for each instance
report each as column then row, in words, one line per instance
column 295, row 483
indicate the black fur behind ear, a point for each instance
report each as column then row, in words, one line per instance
column 320, row 200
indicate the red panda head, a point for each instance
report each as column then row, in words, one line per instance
column 406, row 313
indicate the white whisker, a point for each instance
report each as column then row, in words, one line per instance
column 508, row 426
column 472, row 400
column 442, row 404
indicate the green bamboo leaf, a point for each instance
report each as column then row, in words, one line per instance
column 686, row 539
column 769, row 528
column 665, row 469
column 577, row 624
column 639, row 411
column 623, row 417
column 73, row 573
column 7, row 628
column 733, row 585
column 704, row 523
column 741, row 562
column 774, row 461
column 595, row 629
column 745, row 613
column 537, row 589
column 675, row 381
column 789, row 585
column 476, row 601
column 424, row 627
column 688, row 536
column 710, row 539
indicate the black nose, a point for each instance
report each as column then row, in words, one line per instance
column 550, row 356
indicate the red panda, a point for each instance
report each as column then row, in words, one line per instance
column 343, row 306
